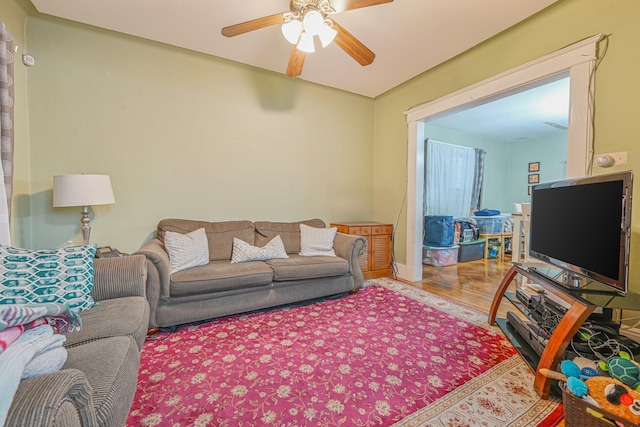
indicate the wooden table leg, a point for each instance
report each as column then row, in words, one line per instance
column 502, row 288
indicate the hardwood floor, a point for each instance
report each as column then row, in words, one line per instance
column 471, row 283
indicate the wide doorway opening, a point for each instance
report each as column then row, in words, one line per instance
column 575, row 62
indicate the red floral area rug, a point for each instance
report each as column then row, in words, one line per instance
column 389, row 355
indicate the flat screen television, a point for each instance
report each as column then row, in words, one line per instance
column 583, row 226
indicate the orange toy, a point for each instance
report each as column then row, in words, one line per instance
column 596, row 391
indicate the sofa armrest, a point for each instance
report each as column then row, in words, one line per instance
column 350, row 247
column 56, row 399
column 119, row 277
column 158, row 276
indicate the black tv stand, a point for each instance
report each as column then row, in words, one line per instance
column 580, row 305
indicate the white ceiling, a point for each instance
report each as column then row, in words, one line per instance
column 408, row 36
column 532, row 112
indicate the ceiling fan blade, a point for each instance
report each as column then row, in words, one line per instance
column 354, row 47
column 296, row 61
column 256, row 24
column 344, row 5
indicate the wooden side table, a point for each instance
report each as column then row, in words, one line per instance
column 376, row 262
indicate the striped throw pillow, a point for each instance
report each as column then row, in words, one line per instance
column 187, row 250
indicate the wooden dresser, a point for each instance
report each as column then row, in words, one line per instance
column 376, row 262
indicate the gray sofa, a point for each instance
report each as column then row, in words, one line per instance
column 97, row 383
column 222, row 288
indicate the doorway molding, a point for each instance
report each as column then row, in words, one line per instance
column 577, row 60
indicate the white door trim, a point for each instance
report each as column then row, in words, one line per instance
column 577, row 59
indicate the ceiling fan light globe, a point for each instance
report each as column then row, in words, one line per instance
column 327, row 35
column 313, row 22
column 291, row 31
column 306, row 43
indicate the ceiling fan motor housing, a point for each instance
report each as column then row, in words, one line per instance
column 322, row 6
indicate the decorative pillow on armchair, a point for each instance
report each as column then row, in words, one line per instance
column 48, row 275
column 243, row 251
column 187, row 250
column 317, row 241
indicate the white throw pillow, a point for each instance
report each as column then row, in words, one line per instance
column 243, row 251
column 187, row 250
column 317, row 241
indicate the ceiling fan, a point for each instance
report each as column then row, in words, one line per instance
column 306, row 19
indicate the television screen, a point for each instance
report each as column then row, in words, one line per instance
column 583, row 225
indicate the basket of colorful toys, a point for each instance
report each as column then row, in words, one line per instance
column 599, row 393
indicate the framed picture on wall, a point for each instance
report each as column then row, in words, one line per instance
column 534, row 167
column 534, row 178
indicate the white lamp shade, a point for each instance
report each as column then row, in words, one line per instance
column 292, row 30
column 313, row 22
column 326, row 35
column 82, row 190
column 306, row 43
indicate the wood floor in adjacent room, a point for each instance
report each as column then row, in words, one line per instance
column 471, row 283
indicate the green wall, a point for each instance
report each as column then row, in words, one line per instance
column 185, row 135
column 566, row 22
column 551, row 152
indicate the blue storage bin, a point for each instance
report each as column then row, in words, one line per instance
column 438, row 231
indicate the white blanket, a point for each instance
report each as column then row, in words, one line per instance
column 13, row 361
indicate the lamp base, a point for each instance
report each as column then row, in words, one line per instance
column 86, row 228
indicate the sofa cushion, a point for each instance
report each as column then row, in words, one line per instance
column 47, row 275
column 243, row 251
column 187, row 250
column 111, row 367
column 298, row 267
column 288, row 231
column 218, row 276
column 219, row 234
column 113, row 317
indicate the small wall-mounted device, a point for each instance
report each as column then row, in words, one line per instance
column 606, row 160
column 28, row 60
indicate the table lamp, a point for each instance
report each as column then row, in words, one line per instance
column 82, row 190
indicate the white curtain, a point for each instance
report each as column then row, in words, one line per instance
column 449, row 179
column 6, row 132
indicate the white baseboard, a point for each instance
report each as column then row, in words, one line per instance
column 405, row 273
